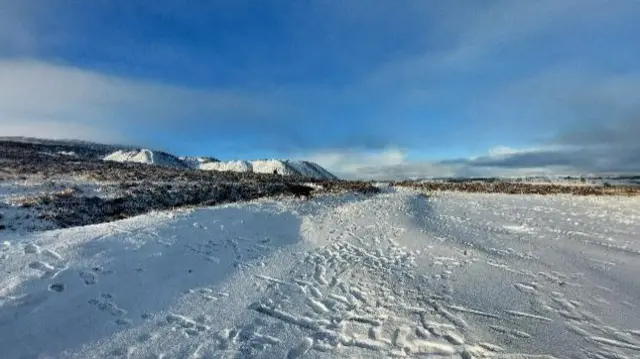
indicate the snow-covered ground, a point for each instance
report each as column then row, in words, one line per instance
column 395, row 275
column 25, row 218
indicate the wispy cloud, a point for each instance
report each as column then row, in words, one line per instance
column 18, row 126
column 109, row 108
column 393, row 164
column 478, row 36
column 355, row 164
column 115, row 109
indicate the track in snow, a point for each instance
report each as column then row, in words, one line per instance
column 397, row 275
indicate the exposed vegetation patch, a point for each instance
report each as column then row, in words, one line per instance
column 127, row 189
column 508, row 187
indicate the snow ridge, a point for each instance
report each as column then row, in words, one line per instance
column 146, row 156
column 198, row 162
column 290, row 168
column 234, row 166
column 266, row 166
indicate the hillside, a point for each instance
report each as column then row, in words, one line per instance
column 269, row 166
column 198, row 162
column 147, row 157
column 228, row 166
column 53, row 184
column 88, row 151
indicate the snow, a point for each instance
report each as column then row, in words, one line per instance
column 15, row 216
column 310, row 169
column 233, row 166
column 268, row 166
column 197, row 162
column 395, row 275
column 147, row 157
column 67, row 153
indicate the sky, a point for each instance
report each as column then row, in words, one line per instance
column 371, row 89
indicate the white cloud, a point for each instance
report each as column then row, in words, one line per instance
column 40, row 99
column 354, row 164
column 59, row 130
column 576, row 92
column 499, row 151
column 392, row 164
column 500, row 161
column 47, row 100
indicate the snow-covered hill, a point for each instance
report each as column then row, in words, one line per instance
column 82, row 150
column 147, row 157
column 291, row 168
column 197, row 162
column 308, row 168
column 269, row 166
column 397, row 275
column 233, row 166
column 272, row 166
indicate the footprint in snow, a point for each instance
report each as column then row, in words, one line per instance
column 52, row 254
column 42, row 266
column 89, row 278
column 57, row 287
column 31, row 249
column 300, row 349
column 99, row 269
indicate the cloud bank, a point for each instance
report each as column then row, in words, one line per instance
column 41, row 99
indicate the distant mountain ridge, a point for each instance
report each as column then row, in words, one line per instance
column 268, row 166
column 85, row 149
column 129, row 154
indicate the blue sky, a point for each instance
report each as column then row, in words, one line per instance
column 370, row 89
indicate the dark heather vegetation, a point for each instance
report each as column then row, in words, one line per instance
column 136, row 188
column 512, row 187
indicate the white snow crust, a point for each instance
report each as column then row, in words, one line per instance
column 394, row 275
